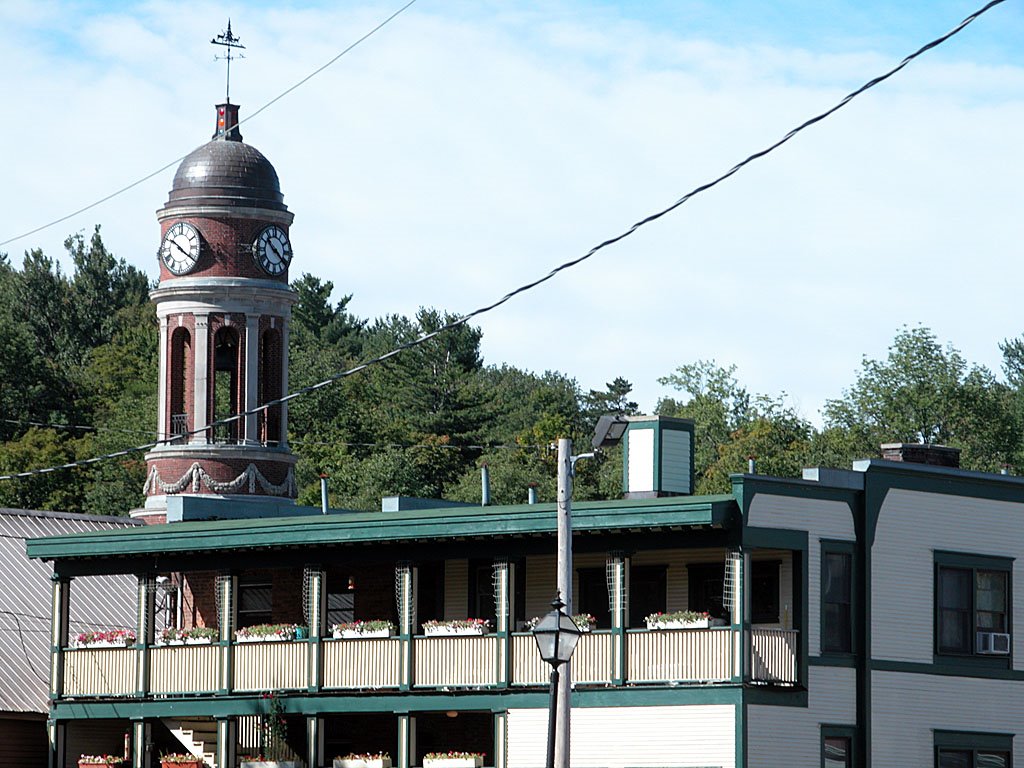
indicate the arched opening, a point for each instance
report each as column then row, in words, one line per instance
column 179, row 373
column 270, row 386
column 226, row 400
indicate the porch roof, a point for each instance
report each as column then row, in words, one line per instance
column 342, row 528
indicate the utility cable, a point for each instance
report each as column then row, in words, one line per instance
column 160, row 170
column 462, row 320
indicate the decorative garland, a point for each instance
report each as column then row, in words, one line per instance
column 196, row 476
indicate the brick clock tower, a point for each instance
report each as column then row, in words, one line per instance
column 224, row 306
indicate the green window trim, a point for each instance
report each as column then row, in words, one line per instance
column 974, row 563
column 974, row 743
column 831, row 546
column 846, row 732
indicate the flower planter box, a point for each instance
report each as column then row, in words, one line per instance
column 380, row 762
column 453, row 762
column 453, row 632
column 197, row 763
column 262, row 639
column 104, row 644
column 98, row 765
column 269, row 764
column 352, row 634
column 695, row 624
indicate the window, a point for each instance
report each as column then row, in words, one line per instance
column 254, row 601
column 705, row 588
column 593, row 595
column 647, row 587
column 481, row 591
column 837, row 744
column 972, row 603
column 764, row 591
column 972, row 750
column 836, row 598
column 341, row 602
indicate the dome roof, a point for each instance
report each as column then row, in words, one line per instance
column 228, row 173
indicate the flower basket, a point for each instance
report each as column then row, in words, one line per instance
column 453, row 760
column 100, row 761
column 269, row 633
column 114, row 638
column 681, row 620
column 181, row 761
column 380, row 760
column 193, row 636
column 583, row 621
column 269, row 764
column 364, row 629
column 456, row 627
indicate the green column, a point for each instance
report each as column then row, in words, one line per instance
column 500, row 744
column 227, row 592
column 59, row 624
column 314, row 741
column 141, row 743
column 316, row 594
column 56, row 733
column 145, row 621
column 618, row 598
column 227, row 736
column 406, row 740
column 405, row 583
column 504, row 601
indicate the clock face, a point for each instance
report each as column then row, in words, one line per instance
column 180, row 248
column 272, row 250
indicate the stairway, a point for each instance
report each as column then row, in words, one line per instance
column 197, row 736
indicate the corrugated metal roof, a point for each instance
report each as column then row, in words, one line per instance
column 25, row 593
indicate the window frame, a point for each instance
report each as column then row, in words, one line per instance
column 848, row 732
column 973, row 563
column 973, row 742
column 255, row 582
column 771, row 568
column 847, row 548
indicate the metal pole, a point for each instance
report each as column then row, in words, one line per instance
column 552, row 717
column 565, row 590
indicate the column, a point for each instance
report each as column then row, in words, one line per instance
column 500, row 745
column 145, row 621
column 56, row 733
column 314, row 740
column 405, row 583
column 284, row 382
column 618, row 583
column 227, row 737
column 317, row 595
column 252, row 384
column 406, row 740
column 161, row 401
column 200, row 393
column 743, row 619
column 59, row 623
column 141, row 743
column 227, row 592
column 505, row 591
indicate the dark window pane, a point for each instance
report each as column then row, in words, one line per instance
column 647, row 588
column 949, row 758
column 255, row 605
column 837, row 752
column 955, row 616
column 993, row 759
column 990, row 601
column 593, row 595
column 705, row 588
column 764, row 592
column 837, row 591
column 341, row 608
column 837, row 633
column 836, row 587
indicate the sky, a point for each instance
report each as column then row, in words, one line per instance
column 469, row 147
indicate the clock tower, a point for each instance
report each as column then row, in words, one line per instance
column 224, row 306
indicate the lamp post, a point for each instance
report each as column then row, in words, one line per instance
column 556, row 635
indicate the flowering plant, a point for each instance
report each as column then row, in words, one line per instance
column 172, row 634
column 453, row 755
column 268, row 632
column 100, row 760
column 482, row 625
column 584, row 621
column 273, row 726
column 365, row 756
column 660, row 617
column 361, row 627
column 110, row 637
column 179, row 757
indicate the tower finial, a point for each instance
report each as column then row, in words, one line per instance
column 229, row 41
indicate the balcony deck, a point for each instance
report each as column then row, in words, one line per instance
column 651, row 658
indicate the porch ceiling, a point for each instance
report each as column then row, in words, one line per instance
column 677, row 512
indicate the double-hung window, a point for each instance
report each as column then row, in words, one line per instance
column 973, row 750
column 837, row 616
column 972, row 605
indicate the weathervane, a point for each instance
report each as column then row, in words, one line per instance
column 229, row 41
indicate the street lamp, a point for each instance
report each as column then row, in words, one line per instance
column 556, row 635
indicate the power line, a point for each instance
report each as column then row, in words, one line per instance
column 174, row 162
column 75, row 427
column 462, row 320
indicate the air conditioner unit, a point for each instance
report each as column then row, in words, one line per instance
column 993, row 643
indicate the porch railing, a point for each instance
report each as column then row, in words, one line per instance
column 650, row 657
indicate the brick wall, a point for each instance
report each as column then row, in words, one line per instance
column 226, row 248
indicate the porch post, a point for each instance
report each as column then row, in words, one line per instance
column 227, row 736
column 505, row 595
column 144, row 621
column 406, row 583
column 227, row 591
column 59, row 629
column 141, row 731
column 500, row 732
column 618, row 585
column 316, row 594
column 743, row 601
column 56, row 732
column 314, row 740
column 406, row 740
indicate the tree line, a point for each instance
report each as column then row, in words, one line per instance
column 78, row 378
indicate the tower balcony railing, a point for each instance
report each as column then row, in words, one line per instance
column 662, row 657
column 179, row 428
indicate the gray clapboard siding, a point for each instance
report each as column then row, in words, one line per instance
column 822, row 520
column 634, row 737
column 911, row 526
column 791, row 736
column 676, row 449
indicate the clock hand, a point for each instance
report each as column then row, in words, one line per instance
column 186, row 253
column 278, row 251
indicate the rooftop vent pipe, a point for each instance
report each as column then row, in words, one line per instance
column 531, row 494
column 485, row 486
column 752, row 465
column 323, row 494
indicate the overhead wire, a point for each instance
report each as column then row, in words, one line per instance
column 463, row 319
column 174, row 162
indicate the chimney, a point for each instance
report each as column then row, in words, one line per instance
column 921, row 453
column 657, row 457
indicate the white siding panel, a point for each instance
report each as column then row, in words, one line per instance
column 911, row 526
column 822, row 520
column 791, row 736
column 640, row 472
column 675, row 461
column 456, row 589
column 617, row 737
column 906, row 708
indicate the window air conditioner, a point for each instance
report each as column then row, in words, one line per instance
column 993, row 643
